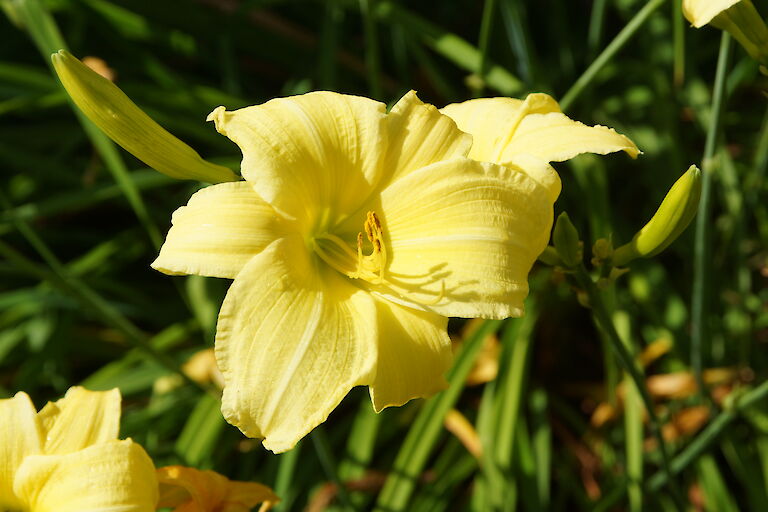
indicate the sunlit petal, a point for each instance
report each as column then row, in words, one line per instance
column 504, row 127
column 293, row 338
column 462, row 237
column 221, row 228
column 81, row 419
column 538, row 170
column 20, row 436
column 555, row 138
column 492, row 122
column 420, row 135
column 314, row 157
column 117, row 476
column 414, row 354
column 701, row 12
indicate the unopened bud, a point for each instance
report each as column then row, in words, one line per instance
column 116, row 115
column 602, row 251
column 567, row 242
column 550, row 257
column 674, row 214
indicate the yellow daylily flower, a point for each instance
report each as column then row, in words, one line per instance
column 191, row 490
column 67, row 457
column 356, row 233
column 738, row 17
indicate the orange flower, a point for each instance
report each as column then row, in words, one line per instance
column 191, row 490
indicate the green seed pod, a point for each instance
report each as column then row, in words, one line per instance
column 676, row 211
column 116, row 115
column 567, row 242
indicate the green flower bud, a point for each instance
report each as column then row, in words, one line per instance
column 602, row 251
column 116, row 115
column 550, row 257
column 674, row 214
column 567, row 242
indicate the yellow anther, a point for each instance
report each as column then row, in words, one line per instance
column 369, row 267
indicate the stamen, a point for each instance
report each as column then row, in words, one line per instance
column 357, row 265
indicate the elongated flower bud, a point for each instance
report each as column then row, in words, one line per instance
column 116, row 115
column 567, row 243
column 676, row 211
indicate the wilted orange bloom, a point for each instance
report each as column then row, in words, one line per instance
column 191, row 490
column 686, row 422
column 201, row 367
column 486, row 366
column 458, row 424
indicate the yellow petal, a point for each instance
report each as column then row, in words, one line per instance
column 555, row 138
column 414, row 354
column 492, row 121
column 293, row 338
column 540, row 171
column 420, row 135
column 701, row 12
column 221, row 228
column 503, row 128
column 81, row 419
column 462, row 237
column 117, row 476
column 314, row 157
column 20, row 436
column 208, row 491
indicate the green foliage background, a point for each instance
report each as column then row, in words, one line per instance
column 80, row 223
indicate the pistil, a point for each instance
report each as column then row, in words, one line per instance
column 357, row 265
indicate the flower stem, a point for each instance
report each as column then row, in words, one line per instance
column 617, row 44
column 603, row 320
column 702, row 257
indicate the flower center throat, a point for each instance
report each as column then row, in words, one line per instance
column 355, row 264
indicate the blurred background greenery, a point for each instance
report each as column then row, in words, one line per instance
column 559, row 428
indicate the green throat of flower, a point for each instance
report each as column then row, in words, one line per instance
column 355, row 264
